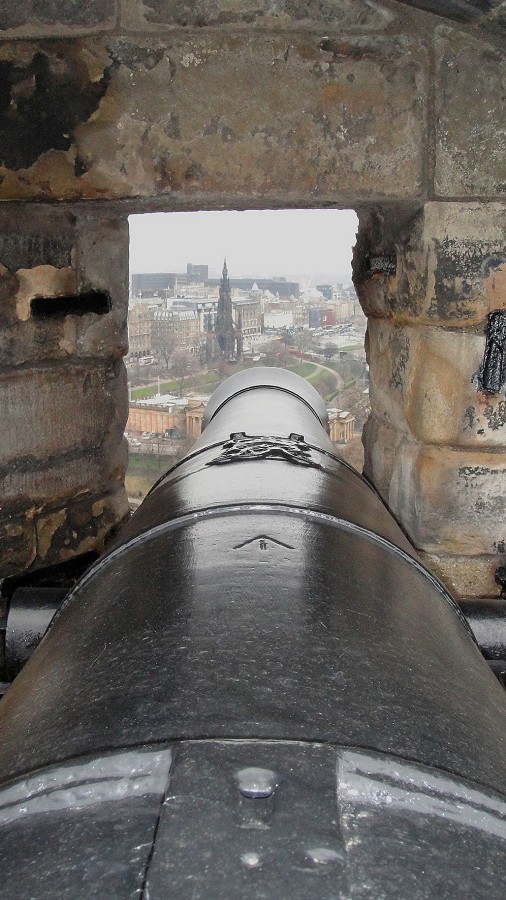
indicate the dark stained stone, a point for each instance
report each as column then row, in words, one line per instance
column 458, row 10
column 199, row 13
column 41, row 104
column 80, row 13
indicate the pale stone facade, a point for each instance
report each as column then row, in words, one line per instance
column 248, row 311
column 184, row 419
column 341, row 426
column 140, row 331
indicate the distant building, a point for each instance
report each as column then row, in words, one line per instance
column 168, row 416
column 248, row 310
column 276, row 285
column 174, row 329
column 278, row 318
column 140, row 322
column 205, row 307
column 146, row 284
column 344, row 308
column 197, row 274
column 341, row 426
column 326, row 290
column 321, row 316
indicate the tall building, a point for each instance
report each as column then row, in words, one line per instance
column 175, row 330
column 197, row 274
column 248, row 315
column 228, row 338
column 140, row 328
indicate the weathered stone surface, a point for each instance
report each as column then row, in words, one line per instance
column 71, row 530
column 42, row 281
column 46, row 95
column 97, row 247
column 347, row 14
column 466, row 577
column 63, row 440
column 390, row 459
column 451, row 263
column 102, row 264
column 17, row 544
column 52, row 411
column 305, row 118
column 424, row 382
column 481, row 11
column 382, row 445
column 52, row 17
column 470, row 117
column 448, row 501
column 24, row 484
column 44, row 237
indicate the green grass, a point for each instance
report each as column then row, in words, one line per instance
column 143, row 463
column 304, row 369
column 166, row 387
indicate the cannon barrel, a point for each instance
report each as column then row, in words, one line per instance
column 257, row 691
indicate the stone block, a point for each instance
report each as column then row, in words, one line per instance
column 102, row 265
column 450, row 262
column 382, row 444
column 466, row 577
column 470, row 117
column 48, row 412
column 356, row 15
column 424, row 383
column 329, row 119
column 449, row 501
column 79, row 527
column 29, row 483
column 96, row 249
column 36, row 236
column 48, row 18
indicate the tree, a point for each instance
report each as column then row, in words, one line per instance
column 304, row 340
column 165, row 350
column 324, row 383
column 329, row 350
column 180, row 367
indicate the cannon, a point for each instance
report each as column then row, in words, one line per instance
column 257, row 691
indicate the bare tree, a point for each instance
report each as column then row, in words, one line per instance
column 181, row 366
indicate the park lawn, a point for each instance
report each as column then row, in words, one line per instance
column 166, row 387
column 304, row 369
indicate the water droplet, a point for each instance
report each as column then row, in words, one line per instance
column 324, row 856
column 256, row 783
column 251, row 860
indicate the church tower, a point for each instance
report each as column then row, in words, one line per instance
column 228, row 339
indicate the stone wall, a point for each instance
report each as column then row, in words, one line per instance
column 393, row 108
column 63, row 395
column 435, row 443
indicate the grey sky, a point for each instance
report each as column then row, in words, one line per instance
column 256, row 242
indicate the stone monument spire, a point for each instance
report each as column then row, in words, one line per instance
column 224, row 328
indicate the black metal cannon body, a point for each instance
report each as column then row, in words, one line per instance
column 257, row 692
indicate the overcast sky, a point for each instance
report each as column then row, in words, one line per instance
column 257, row 242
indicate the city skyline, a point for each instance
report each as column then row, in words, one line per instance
column 293, row 243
